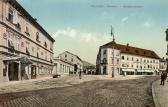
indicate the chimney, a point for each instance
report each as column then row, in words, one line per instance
column 127, row 44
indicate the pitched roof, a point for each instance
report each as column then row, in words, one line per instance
column 73, row 55
column 132, row 50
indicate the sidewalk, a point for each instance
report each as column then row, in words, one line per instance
column 160, row 94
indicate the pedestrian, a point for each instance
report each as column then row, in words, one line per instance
column 163, row 77
column 80, row 74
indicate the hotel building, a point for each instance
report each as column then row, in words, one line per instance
column 26, row 49
column 116, row 59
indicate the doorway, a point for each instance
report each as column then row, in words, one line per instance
column 13, row 71
column 33, row 72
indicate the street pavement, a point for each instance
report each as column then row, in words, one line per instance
column 160, row 94
column 70, row 91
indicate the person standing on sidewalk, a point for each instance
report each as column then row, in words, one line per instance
column 80, row 74
column 163, row 78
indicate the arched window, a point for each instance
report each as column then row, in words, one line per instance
column 37, row 37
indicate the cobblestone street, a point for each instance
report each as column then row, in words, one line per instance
column 95, row 93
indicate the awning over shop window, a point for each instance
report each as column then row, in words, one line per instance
column 128, row 70
column 145, row 70
column 140, row 70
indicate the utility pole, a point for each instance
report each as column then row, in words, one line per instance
column 112, row 34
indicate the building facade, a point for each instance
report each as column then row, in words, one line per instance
column 116, row 59
column 62, row 67
column 26, row 49
column 67, row 63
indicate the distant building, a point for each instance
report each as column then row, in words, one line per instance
column 66, row 63
column 62, row 67
column 118, row 59
column 26, row 49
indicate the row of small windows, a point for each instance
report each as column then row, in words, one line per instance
column 137, row 59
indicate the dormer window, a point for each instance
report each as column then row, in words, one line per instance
column 127, row 49
column 136, row 51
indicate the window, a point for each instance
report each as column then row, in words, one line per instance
column 137, row 59
column 104, row 60
column 127, row 58
column 27, row 51
column 41, row 53
column 37, row 55
column 153, row 61
column 132, row 66
column 104, row 52
column 112, row 61
column 45, row 44
column 132, row 58
column 122, row 57
column 117, row 61
column 37, row 36
column 10, row 15
column 137, row 66
column 27, row 28
column 71, row 59
column 65, row 55
column 17, row 42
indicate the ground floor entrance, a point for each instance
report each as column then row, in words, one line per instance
column 33, row 72
column 13, row 71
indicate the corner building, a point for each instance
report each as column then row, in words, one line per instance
column 26, row 49
column 117, row 59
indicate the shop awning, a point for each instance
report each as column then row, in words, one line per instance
column 149, row 71
column 128, row 70
column 140, row 70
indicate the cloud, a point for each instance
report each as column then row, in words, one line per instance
column 124, row 19
column 70, row 32
column 147, row 24
column 88, row 37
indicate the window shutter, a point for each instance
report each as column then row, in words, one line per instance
column 7, row 11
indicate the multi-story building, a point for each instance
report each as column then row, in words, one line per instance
column 116, row 59
column 67, row 63
column 26, row 49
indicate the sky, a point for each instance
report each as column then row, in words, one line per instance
column 81, row 26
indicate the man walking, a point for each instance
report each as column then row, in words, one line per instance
column 163, row 78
